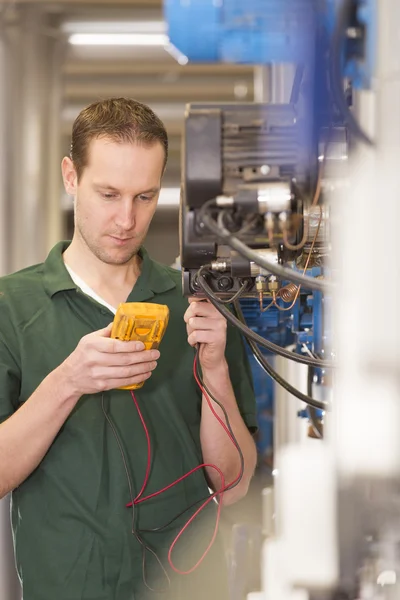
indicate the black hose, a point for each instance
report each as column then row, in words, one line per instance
column 283, row 272
column 248, row 333
column 264, row 364
column 312, row 413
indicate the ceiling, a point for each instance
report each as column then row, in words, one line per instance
column 148, row 74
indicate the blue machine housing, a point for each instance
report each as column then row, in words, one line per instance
column 303, row 325
column 255, row 31
column 275, row 326
column 267, row 31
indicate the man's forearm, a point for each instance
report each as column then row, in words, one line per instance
column 217, row 448
column 27, row 435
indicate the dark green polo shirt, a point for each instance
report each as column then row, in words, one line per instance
column 72, row 530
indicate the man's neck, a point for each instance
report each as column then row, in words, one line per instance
column 98, row 274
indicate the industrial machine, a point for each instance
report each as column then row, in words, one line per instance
column 288, row 213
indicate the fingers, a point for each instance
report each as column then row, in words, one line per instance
column 202, row 309
column 204, row 324
column 106, row 344
column 110, row 382
column 126, row 358
column 105, row 332
column 128, row 372
column 205, row 336
column 101, row 363
column 113, row 384
column 111, row 377
column 201, row 337
column 207, row 324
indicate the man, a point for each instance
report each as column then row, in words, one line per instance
column 73, row 449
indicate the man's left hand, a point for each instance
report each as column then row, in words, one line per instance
column 206, row 326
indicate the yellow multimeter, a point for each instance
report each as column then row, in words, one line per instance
column 143, row 322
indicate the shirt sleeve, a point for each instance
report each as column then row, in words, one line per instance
column 241, row 377
column 9, row 382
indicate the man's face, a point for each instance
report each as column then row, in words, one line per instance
column 116, row 197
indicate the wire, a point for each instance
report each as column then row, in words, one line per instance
column 171, row 485
column 148, row 465
column 247, row 252
column 249, row 333
column 265, row 308
column 237, row 295
column 307, row 349
column 125, row 463
column 228, row 430
column 312, row 413
column 303, row 241
column 161, row 527
column 138, row 499
column 264, row 364
column 219, row 493
column 249, row 221
column 131, row 494
column 335, row 71
column 228, row 427
column 204, row 388
column 283, row 309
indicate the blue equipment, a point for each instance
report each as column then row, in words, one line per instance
column 312, row 36
column 269, row 31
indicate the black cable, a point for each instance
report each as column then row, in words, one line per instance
column 283, row 272
column 236, row 443
column 249, row 222
column 335, row 71
column 228, row 424
column 312, row 413
column 264, row 364
column 131, row 497
column 161, row 527
column 237, row 295
column 248, row 333
column 125, row 463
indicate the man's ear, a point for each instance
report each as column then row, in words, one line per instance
column 69, row 176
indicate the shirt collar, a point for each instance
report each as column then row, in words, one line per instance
column 153, row 279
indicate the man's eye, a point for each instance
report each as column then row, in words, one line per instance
column 108, row 196
column 145, row 198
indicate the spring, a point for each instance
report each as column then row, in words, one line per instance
column 288, row 293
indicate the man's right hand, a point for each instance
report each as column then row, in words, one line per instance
column 100, row 363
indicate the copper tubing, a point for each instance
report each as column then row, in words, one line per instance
column 288, row 293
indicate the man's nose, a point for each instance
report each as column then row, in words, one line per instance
column 125, row 218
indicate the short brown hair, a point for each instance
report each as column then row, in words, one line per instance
column 121, row 120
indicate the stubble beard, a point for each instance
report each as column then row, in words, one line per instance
column 104, row 255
